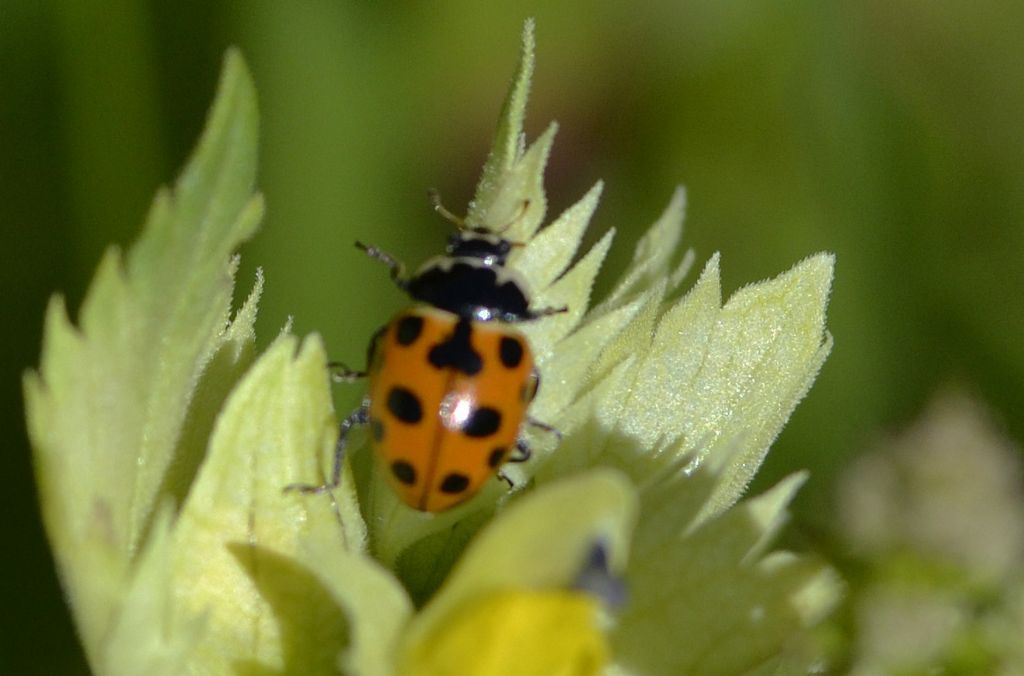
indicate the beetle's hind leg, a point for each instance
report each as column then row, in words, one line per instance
column 360, row 416
column 533, row 422
column 522, row 453
column 541, row 313
column 340, row 373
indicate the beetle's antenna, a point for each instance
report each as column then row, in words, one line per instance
column 435, row 201
column 523, row 206
column 460, row 223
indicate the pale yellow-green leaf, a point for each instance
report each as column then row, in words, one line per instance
column 548, row 254
column 682, row 270
column 583, row 402
column 230, row 358
column 719, row 382
column 374, row 602
column 544, row 538
column 768, row 510
column 702, row 601
column 635, row 339
column 518, row 205
column 424, row 566
column 238, row 533
column 541, row 541
column 107, row 408
column 818, row 596
column 772, row 342
column 571, row 291
column 588, row 426
column 592, row 424
column 652, row 255
column 147, row 638
column 663, row 404
column 508, row 140
column 570, row 370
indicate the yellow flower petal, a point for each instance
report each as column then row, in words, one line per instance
column 520, row 633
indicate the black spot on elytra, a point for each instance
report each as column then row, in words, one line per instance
column 404, row 472
column 454, row 483
column 377, row 429
column 510, row 351
column 457, row 351
column 496, row 456
column 405, row 405
column 409, row 329
column 483, row 422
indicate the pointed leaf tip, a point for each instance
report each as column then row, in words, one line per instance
column 507, row 146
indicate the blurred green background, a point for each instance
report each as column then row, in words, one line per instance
column 890, row 132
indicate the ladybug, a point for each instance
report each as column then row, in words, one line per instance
column 450, row 378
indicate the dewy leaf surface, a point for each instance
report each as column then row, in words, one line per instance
column 714, row 378
column 106, row 409
column 548, row 254
column 572, row 292
column 771, row 341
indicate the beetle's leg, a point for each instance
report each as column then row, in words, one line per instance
column 523, row 449
column 531, row 386
column 521, row 454
column 360, row 416
column 343, row 374
column 340, row 373
column 533, row 422
column 533, row 315
column 394, row 266
column 543, row 312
